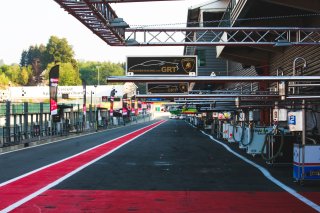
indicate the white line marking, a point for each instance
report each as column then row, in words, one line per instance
column 40, row 191
column 267, row 174
column 62, row 139
column 52, row 164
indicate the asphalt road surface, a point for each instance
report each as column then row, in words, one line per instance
column 158, row 166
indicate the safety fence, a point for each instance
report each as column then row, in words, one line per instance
column 23, row 123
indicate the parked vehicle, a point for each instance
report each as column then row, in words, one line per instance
column 173, row 116
column 182, row 117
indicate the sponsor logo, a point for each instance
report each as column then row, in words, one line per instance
column 188, row 64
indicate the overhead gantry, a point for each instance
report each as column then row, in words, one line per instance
column 102, row 20
column 281, row 93
column 97, row 16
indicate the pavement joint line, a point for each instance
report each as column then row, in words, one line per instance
column 267, row 174
column 54, row 183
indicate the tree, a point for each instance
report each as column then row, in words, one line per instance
column 89, row 71
column 39, row 57
column 59, row 50
column 34, row 57
column 68, row 76
column 11, row 72
column 14, row 73
column 24, row 76
column 4, row 80
column 24, row 58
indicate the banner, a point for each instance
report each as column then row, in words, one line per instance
column 124, row 105
column 112, row 94
column 129, row 105
column 139, row 106
column 84, row 88
column 53, row 87
column 148, row 107
column 133, row 105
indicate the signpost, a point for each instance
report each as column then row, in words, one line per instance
column 163, row 66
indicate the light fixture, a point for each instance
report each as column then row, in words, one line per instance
column 118, row 23
column 237, row 102
column 132, row 42
column 282, row 43
column 282, row 90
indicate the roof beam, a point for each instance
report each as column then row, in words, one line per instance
column 213, row 79
column 308, row 5
column 125, row 1
column 247, row 55
column 207, row 96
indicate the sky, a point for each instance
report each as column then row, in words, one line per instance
column 31, row 22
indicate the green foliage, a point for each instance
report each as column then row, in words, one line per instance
column 35, row 56
column 4, row 69
column 59, row 50
column 10, row 74
column 24, row 75
column 89, row 71
column 14, row 73
column 4, row 80
column 39, row 57
column 68, row 76
column 24, row 59
column 37, row 61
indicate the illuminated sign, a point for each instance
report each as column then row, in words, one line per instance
column 164, row 66
column 164, row 88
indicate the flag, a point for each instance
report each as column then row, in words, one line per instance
column 53, row 89
column 84, row 88
column 112, row 94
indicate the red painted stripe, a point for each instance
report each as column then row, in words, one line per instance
column 163, row 201
column 313, row 196
column 25, row 186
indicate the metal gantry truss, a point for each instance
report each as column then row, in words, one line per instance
column 101, row 19
column 286, row 82
column 224, row 36
column 97, row 16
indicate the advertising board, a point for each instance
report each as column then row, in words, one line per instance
column 165, row 88
column 162, row 65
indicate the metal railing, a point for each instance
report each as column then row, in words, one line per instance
column 21, row 133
